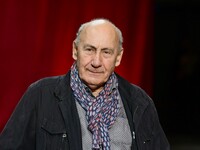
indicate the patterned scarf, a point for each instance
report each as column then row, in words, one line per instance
column 101, row 111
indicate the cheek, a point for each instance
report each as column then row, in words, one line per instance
column 110, row 66
column 81, row 59
column 82, row 63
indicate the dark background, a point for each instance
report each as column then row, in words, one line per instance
column 177, row 71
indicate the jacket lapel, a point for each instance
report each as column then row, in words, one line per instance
column 134, row 107
column 69, row 112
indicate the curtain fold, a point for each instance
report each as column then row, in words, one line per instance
column 36, row 41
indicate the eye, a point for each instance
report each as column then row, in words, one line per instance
column 88, row 49
column 107, row 52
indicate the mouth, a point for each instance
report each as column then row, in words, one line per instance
column 95, row 71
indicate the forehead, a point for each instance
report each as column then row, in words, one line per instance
column 103, row 33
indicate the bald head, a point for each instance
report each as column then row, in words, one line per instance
column 100, row 23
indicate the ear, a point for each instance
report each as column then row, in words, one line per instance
column 119, row 57
column 74, row 51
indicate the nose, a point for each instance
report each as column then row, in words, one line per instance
column 96, row 61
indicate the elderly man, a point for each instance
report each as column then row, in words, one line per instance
column 91, row 107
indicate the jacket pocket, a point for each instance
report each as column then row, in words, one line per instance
column 55, row 136
column 144, row 136
column 144, row 141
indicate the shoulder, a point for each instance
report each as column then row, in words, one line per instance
column 47, row 83
column 131, row 88
column 133, row 93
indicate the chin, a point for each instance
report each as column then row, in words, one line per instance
column 94, row 82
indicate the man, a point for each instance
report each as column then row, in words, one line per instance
column 91, row 107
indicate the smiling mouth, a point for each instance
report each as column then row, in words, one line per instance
column 95, row 72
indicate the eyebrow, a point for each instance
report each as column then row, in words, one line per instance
column 110, row 49
column 106, row 48
column 88, row 45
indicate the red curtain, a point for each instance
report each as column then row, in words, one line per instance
column 36, row 40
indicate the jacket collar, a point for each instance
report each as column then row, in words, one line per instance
column 134, row 104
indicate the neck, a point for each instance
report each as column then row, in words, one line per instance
column 96, row 92
column 95, row 89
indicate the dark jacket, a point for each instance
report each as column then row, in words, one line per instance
column 46, row 118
